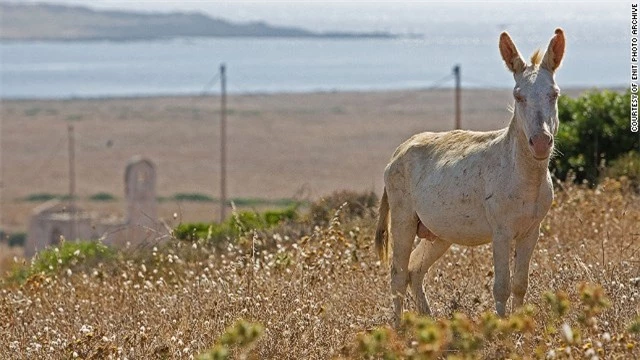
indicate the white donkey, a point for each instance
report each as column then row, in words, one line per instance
column 472, row 188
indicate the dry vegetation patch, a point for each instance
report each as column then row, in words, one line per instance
column 321, row 293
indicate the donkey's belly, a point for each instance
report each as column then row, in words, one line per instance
column 458, row 221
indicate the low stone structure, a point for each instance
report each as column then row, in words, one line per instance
column 54, row 220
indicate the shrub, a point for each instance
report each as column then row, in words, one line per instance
column 193, row 231
column 102, row 196
column 193, row 197
column 239, row 223
column 13, row 239
column 359, row 204
column 17, row 239
column 594, row 130
column 67, row 255
column 274, row 217
column 41, row 197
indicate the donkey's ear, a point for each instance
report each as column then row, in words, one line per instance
column 510, row 54
column 555, row 52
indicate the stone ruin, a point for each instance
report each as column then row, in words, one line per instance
column 55, row 219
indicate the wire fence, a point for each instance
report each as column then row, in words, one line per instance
column 471, row 81
column 209, row 85
column 440, row 83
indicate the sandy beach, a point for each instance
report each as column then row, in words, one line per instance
column 279, row 145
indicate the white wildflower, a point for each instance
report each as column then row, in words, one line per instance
column 567, row 333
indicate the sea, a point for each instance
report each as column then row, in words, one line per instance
column 190, row 66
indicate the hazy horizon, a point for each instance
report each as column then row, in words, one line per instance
column 532, row 22
column 464, row 33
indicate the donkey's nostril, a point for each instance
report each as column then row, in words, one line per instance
column 541, row 145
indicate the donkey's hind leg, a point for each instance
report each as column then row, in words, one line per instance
column 428, row 251
column 403, row 232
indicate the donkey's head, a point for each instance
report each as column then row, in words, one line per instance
column 536, row 92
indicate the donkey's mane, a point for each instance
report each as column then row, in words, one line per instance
column 536, row 57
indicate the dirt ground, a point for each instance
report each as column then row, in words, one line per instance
column 279, row 145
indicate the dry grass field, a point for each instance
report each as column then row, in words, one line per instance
column 280, row 146
column 318, row 290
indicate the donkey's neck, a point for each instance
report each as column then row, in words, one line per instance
column 526, row 167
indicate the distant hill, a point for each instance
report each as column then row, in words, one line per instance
column 58, row 22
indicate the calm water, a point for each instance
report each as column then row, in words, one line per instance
column 186, row 66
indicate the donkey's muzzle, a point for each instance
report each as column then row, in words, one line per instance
column 541, row 145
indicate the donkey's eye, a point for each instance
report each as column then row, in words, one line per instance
column 517, row 94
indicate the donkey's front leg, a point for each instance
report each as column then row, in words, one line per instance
column 524, row 249
column 502, row 277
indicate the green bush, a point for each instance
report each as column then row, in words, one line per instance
column 239, row 223
column 41, row 197
column 194, row 231
column 17, row 239
column 193, row 197
column 274, row 217
column 102, row 196
column 67, row 255
column 594, row 130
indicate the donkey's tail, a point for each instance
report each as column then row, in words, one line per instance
column 382, row 233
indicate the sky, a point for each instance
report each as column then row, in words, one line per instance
column 584, row 20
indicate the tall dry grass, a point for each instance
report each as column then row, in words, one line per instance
column 316, row 291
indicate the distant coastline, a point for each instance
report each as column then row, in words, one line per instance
column 320, row 36
column 48, row 22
